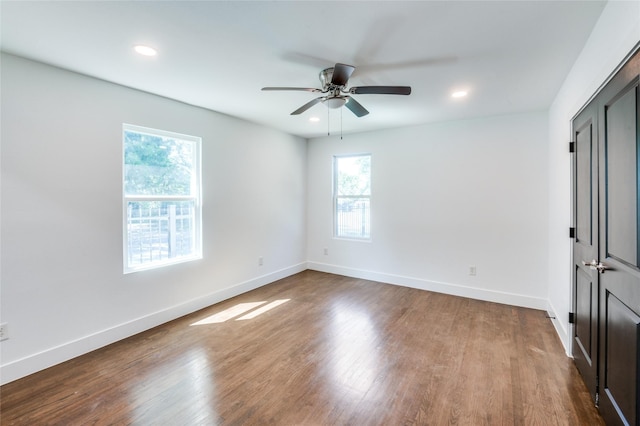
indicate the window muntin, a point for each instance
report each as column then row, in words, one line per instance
column 352, row 196
column 161, row 194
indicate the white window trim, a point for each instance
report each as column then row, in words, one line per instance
column 196, row 197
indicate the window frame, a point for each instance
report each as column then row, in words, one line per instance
column 336, row 197
column 196, row 197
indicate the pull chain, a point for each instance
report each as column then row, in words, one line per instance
column 328, row 128
column 341, row 122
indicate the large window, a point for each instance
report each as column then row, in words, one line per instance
column 352, row 196
column 161, row 187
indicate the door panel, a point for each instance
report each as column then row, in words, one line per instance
column 585, row 161
column 622, row 217
column 621, row 361
column 586, row 324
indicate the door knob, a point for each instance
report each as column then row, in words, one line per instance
column 599, row 266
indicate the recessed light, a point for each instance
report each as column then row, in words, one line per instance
column 459, row 94
column 145, row 50
column 314, row 119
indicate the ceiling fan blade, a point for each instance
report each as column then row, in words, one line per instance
column 356, row 108
column 308, row 105
column 381, row 90
column 341, row 74
column 305, row 89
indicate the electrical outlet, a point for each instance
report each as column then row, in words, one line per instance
column 4, row 331
column 326, row 251
column 472, row 270
column 260, row 261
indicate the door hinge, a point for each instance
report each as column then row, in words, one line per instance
column 572, row 232
column 572, row 318
column 572, row 147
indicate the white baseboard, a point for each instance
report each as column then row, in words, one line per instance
column 562, row 328
column 64, row 352
column 438, row 287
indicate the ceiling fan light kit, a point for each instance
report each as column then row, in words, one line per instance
column 335, row 102
column 334, row 86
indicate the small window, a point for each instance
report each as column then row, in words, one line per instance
column 352, row 196
column 162, row 208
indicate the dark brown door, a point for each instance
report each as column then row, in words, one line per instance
column 606, row 278
column 606, row 249
column 619, row 253
column 585, row 246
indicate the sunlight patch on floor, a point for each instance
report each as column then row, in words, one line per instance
column 263, row 309
column 227, row 314
column 240, row 309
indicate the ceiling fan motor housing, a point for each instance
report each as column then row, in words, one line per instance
column 325, row 78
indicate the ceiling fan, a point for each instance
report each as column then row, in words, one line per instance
column 336, row 94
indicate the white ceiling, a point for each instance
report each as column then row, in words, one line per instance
column 511, row 56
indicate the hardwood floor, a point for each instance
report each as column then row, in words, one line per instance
column 332, row 350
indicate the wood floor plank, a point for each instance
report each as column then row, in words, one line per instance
column 333, row 350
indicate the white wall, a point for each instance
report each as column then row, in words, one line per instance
column 444, row 197
column 613, row 37
column 62, row 285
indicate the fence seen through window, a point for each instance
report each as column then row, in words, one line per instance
column 159, row 231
